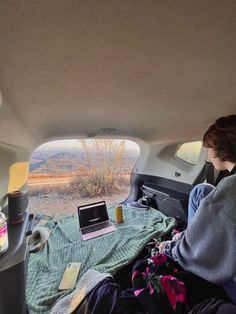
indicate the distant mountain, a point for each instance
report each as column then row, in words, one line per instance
column 55, row 154
column 64, row 155
column 35, row 165
column 58, row 160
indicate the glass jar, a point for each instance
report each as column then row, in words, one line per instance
column 3, row 233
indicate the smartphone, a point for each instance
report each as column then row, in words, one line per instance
column 70, row 276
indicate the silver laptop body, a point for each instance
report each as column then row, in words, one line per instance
column 94, row 220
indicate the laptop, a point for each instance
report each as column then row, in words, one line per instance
column 94, row 220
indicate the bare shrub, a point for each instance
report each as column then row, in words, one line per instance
column 101, row 169
column 123, row 180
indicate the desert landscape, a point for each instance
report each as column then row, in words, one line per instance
column 61, row 179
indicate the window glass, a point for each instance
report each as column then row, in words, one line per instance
column 18, row 173
column 68, row 173
column 190, row 152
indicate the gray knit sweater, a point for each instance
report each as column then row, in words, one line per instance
column 208, row 247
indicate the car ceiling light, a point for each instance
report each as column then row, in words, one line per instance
column 91, row 134
column 107, row 131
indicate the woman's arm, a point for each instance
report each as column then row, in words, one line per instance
column 207, row 248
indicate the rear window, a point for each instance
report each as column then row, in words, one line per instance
column 65, row 174
column 190, row 152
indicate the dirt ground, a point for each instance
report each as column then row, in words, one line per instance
column 53, row 204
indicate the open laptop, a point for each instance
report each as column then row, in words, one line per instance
column 94, row 220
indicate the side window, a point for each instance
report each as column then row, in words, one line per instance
column 190, row 152
column 18, row 176
column 68, row 173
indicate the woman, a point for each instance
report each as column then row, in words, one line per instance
column 206, row 253
column 220, row 141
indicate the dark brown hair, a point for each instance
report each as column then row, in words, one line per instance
column 221, row 136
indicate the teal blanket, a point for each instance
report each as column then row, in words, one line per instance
column 106, row 254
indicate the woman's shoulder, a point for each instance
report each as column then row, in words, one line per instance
column 226, row 184
column 224, row 196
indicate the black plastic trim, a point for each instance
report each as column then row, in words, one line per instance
column 168, row 196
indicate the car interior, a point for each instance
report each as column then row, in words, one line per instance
column 154, row 72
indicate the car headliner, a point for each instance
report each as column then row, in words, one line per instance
column 160, row 71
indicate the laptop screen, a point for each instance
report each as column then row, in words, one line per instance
column 92, row 214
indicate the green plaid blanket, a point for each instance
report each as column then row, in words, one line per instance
column 106, row 254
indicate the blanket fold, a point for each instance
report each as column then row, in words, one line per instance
column 87, row 282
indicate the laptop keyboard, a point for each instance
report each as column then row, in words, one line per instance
column 102, row 225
